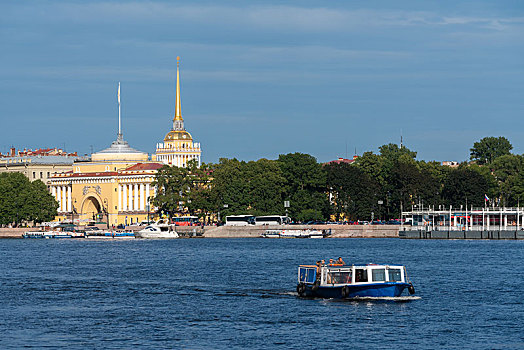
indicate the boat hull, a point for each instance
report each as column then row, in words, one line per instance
column 378, row 290
column 156, row 235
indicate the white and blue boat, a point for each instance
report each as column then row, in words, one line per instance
column 352, row 281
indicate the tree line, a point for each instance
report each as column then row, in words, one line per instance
column 22, row 201
column 375, row 185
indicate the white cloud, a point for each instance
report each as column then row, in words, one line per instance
column 270, row 17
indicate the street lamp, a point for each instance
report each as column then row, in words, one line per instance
column 106, row 212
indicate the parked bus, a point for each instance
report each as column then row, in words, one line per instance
column 185, row 221
column 272, row 220
column 240, row 220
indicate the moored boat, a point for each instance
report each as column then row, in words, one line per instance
column 33, row 234
column 46, row 234
column 352, row 281
column 160, row 229
column 293, row 234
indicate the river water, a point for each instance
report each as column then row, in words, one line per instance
column 240, row 293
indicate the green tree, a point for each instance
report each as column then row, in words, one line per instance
column 200, row 200
column 265, row 187
column 465, row 184
column 490, row 148
column 410, row 185
column 23, row 201
column 373, row 165
column 354, row 194
column 305, row 185
column 173, row 186
column 230, row 187
column 508, row 171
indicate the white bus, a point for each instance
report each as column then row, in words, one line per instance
column 272, row 220
column 240, row 220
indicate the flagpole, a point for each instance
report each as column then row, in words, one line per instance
column 119, row 123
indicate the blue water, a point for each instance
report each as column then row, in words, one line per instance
column 239, row 293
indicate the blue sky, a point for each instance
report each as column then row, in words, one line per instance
column 262, row 78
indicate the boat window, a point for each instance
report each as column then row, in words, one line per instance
column 395, row 275
column 307, row 275
column 379, row 275
column 339, row 277
column 361, row 275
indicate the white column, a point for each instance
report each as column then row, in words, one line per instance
column 119, row 197
column 147, row 192
column 64, row 198
column 142, row 201
column 53, row 191
column 130, row 199
column 59, row 198
column 135, row 203
column 69, row 200
column 124, row 198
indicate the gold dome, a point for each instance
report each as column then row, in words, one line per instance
column 180, row 135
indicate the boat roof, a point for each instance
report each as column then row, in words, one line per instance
column 354, row 265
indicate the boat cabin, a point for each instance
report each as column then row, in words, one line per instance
column 351, row 274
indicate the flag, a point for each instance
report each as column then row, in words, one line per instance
column 118, row 93
column 486, row 198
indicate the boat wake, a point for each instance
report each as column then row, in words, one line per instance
column 397, row 299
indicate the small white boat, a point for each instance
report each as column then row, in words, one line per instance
column 159, row 229
column 271, row 234
column 293, row 234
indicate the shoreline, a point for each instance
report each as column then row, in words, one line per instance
column 338, row 231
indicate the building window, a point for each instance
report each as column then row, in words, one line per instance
column 34, row 175
column 41, row 174
column 48, row 174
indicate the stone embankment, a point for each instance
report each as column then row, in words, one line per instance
column 337, row 231
column 12, row 232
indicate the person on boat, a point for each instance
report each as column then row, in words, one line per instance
column 319, row 270
column 340, row 261
column 331, row 262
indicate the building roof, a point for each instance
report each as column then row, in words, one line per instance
column 178, row 135
column 144, row 166
column 342, row 160
column 48, row 160
column 120, row 146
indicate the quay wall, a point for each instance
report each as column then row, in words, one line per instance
column 12, row 232
column 337, row 231
column 475, row 234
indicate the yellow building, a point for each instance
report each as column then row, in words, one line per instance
column 114, row 187
column 178, row 147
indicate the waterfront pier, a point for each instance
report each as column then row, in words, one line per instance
column 463, row 223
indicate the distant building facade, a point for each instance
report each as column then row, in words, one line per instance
column 450, row 163
column 39, row 164
column 342, row 160
column 178, row 147
column 114, row 187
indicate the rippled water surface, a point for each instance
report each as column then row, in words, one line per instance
column 239, row 293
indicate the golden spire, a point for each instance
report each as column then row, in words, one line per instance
column 178, row 106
